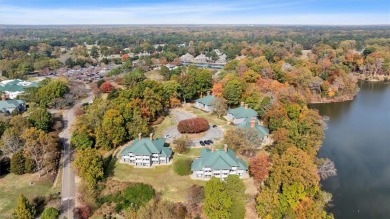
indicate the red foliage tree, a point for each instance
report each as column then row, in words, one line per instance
column 195, row 125
column 259, row 167
column 125, row 57
column 106, row 87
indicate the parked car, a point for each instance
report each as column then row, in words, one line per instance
column 168, row 136
column 210, row 141
column 206, row 142
column 202, row 143
column 214, row 126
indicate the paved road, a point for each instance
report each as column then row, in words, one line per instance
column 178, row 115
column 68, row 176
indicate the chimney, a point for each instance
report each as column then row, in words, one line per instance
column 225, row 147
column 3, row 97
column 212, row 149
column 242, row 104
column 253, row 122
column 208, row 93
column 151, row 136
column 139, row 136
column 246, row 106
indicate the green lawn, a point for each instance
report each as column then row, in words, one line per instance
column 172, row 186
column 211, row 117
column 13, row 185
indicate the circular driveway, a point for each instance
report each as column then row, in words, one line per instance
column 178, row 115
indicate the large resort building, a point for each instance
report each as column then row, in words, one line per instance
column 218, row 163
column 147, row 152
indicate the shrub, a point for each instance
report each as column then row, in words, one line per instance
column 182, row 167
column 50, row 213
column 195, row 125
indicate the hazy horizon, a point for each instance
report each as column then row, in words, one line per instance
column 173, row 12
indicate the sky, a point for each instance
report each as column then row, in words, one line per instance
column 285, row 12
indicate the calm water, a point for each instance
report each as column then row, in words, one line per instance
column 358, row 141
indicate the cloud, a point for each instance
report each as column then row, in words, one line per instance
column 216, row 12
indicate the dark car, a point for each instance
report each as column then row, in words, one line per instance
column 202, row 143
column 214, row 126
column 207, row 142
column 211, row 142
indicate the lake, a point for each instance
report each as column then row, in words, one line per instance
column 358, row 141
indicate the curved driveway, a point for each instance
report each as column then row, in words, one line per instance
column 178, row 115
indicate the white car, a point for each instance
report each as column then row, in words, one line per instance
column 168, row 136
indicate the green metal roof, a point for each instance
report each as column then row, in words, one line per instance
column 218, row 160
column 206, row 100
column 145, row 146
column 4, row 104
column 16, row 85
column 262, row 131
column 241, row 112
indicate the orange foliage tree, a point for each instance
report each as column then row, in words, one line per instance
column 217, row 89
column 259, row 167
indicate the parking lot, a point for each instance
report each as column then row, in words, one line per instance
column 214, row 133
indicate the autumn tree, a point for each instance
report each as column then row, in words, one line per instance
column 259, row 167
column 181, row 144
column 106, row 87
column 89, row 165
column 112, row 131
column 243, row 140
column 219, row 106
column 23, row 209
column 217, row 89
column 41, row 147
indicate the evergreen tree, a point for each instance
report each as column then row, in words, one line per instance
column 23, row 210
column 18, row 163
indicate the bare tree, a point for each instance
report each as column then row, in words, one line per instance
column 326, row 168
column 219, row 105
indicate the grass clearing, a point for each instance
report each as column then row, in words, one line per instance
column 172, row 186
column 154, row 75
column 13, row 185
column 160, row 128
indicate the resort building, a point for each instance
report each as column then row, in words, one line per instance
column 12, row 88
column 8, row 106
column 240, row 114
column 204, row 103
column 146, row 152
column 218, row 163
column 254, row 124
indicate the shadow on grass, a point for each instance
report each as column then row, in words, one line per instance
column 109, row 164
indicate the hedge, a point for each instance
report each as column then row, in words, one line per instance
column 195, row 125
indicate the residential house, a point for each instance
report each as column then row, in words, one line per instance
column 146, row 152
column 240, row 114
column 204, row 103
column 218, row 163
column 254, row 124
column 8, row 106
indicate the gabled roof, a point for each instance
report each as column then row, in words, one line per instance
column 261, row 130
column 10, row 103
column 218, row 160
column 206, row 100
column 16, row 85
column 145, row 146
column 242, row 112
